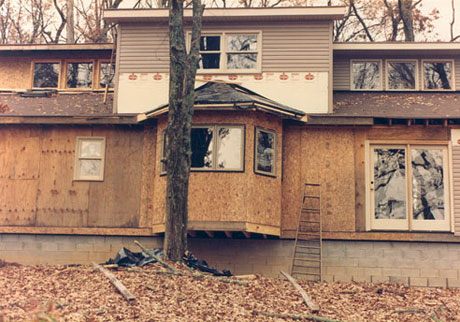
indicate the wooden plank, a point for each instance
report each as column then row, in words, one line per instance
column 148, row 176
column 121, row 189
column 209, row 233
column 56, row 120
column 312, row 305
column 405, row 133
column 77, row 231
column 228, row 234
column 392, row 236
column 263, row 229
column 360, row 177
column 119, row 285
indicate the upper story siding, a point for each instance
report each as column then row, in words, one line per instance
column 286, row 47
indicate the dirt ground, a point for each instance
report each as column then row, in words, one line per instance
column 82, row 293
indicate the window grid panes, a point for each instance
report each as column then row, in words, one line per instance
column 265, row 152
column 89, row 159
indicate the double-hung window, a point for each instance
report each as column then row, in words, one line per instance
column 408, row 185
column 89, row 158
column 230, row 52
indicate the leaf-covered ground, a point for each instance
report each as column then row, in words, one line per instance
column 82, row 293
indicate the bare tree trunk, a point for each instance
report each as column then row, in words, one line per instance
column 181, row 99
column 405, row 12
column 70, row 28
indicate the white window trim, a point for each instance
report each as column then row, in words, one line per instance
column 223, row 52
column 275, row 149
column 409, row 224
column 77, row 176
column 416, row 70
column 422, row 72
column 380, row 87
column 215, row 148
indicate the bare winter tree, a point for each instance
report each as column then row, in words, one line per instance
column 183, row 68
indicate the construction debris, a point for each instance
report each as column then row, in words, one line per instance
column 119, row 285
column 312, row 305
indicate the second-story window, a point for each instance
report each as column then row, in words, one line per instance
column 437, row 75
column 46, row 74
column 80, row 75
column 401, row 75
column 106, row 74
column 366, row 75
column 230, row 52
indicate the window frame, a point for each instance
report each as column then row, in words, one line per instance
column 409, row 224
column 44, row 61
column 224, row 51
column 272, row 174
column 416, row 76
column 82, row 61
column 422, row 71
column 79, row 140
column 380, row 87
column 99, row 71
column 215, row 148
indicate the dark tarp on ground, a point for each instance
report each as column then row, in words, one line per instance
column 127, row 258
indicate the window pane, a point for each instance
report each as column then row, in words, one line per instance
column 202, row 141
column 210, row 43
column 46, row 74
column 366, row 75
column 79, row 75
column 90, row 168
column 242, row 42
column 229, row 148
column 107, row 73
column 390, row 183
column 241, row 61
column 401, row 75
column 265, row 158
column 427, row 184
column 91, row 149
column 438, row 75
column 209, row 61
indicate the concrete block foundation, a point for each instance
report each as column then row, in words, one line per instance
column 412, row 263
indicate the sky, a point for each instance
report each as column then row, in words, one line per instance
column 442, row 25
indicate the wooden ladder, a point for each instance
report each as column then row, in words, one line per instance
column 306, row 258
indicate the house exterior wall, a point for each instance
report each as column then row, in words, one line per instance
column 219, row 200
column 295, row 66
column 38, row 192
column 342, row 66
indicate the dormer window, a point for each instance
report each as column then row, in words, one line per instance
column 79, row 75
column 401, row 75
column 366, row 74
column 437, row 75
column 230, row 52
column 46, row 74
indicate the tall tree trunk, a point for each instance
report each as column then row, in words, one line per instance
column 405, row 12
column 181, row 100
column 70, row 27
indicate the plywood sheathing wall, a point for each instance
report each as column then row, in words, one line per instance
column 228, row 196
column 326, row 157
column 36, row 178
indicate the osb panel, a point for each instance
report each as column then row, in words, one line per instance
column 17, row 202
column 115, row 202
column 61, row 202
column 15, row 72
column 291, row 185
column 228, row 196
column 19, row 148
column 159, row 186
column 327, row 158
column 417, row 132
column 360, row 177
column 148, row 176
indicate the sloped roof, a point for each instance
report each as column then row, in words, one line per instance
column 408, row 105
column 216, row 95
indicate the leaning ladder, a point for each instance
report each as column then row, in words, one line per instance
column 306, row 258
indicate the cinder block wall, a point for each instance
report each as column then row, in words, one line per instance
column 413, row 263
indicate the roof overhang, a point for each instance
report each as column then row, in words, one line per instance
column 230, row 14
column 57, row 47
column 73, row 119
column 409, row 48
